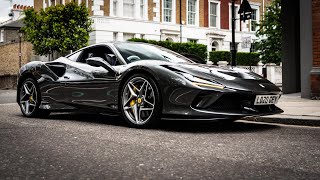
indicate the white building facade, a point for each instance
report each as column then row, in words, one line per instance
column 206, row 22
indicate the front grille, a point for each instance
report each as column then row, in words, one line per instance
column 232, row 102
column 239, row 103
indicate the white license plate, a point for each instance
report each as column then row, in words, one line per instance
column 266, row 99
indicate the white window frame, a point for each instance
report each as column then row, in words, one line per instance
column 257, row 9
column 218, row 14
column 197, row 14
column 141, row 7
column 133, row 9
column 136, row 9
column 2, row 35
column 173, row 13
column 115, row 36
column 118, row 8
column 145, row 10
column 114, row 10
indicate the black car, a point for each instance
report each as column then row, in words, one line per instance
column 144, row 83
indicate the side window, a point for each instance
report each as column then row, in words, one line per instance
column 74, row 57
column 99, row 51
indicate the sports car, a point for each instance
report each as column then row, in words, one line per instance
column 144, row 83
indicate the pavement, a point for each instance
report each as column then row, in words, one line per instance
column 297, row 110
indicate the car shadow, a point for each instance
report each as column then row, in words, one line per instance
column 239, row 126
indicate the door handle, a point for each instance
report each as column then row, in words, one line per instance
column 66, row 77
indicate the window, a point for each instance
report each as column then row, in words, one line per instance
column 192, row 6
column 74, row 56
column 114, row 10
column 213, row 14
column 193, row 40
column 167, row 10
column 141, row 9
column 254, row 20
column 214, row 46
column 169, row 39
column 53, row 2
column 127, row 36
column 128, row 8
column 139, row 52
column 1, row 35
column 115, row 36
column 99, row 51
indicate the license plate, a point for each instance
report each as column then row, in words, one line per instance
column 266, row 99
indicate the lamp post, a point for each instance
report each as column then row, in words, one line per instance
column 180, row 22
column 20, row 54
column 233, row 43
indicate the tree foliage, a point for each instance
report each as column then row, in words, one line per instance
column 270, row 34
column 58, row 28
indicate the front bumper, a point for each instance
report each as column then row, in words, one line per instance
column 219, row 105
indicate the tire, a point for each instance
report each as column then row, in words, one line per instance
column 30, row 98
column 140, row 101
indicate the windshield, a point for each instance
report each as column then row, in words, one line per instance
column 132, row 52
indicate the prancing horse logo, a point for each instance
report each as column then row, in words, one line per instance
column 262, row 85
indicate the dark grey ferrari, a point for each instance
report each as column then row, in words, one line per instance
column 144, row 83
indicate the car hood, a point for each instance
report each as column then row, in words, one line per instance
column 234, row 78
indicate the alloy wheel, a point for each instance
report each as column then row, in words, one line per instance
column 138, row 100
column 28, row 97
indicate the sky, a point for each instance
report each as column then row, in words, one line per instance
column 6, row 5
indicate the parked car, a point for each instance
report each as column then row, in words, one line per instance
column 144, row 83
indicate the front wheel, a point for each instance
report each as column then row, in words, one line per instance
column 140, row 101
column 30, row 98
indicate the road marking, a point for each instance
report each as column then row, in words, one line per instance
column 7, row 104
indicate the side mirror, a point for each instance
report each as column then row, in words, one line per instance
column 98, row 61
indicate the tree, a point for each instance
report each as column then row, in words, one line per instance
column 270, row 34
column 57, row 28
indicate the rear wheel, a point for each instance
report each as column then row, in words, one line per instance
column 30, row 98
column 140, row 101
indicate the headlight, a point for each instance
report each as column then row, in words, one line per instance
column 202, row 82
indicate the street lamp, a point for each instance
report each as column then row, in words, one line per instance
column 245, row 12
column 180, row 22
column 233, row 43
column 20, row 33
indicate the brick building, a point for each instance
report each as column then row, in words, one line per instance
column 202, row 21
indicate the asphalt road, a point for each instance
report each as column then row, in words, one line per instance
column 79, row 146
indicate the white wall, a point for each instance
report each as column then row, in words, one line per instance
column 105, row 26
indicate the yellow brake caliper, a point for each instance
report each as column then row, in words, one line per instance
column 132, row 103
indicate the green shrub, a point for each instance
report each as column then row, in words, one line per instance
column 216, row 56
column 243, row 58
column 248, row 59
column 187, row 48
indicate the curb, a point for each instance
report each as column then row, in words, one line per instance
column 305, row 121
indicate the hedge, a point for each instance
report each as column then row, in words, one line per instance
column 243, row 58
column 216, row 56
column 187, row 48
column 248, row 59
